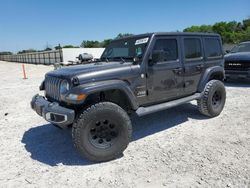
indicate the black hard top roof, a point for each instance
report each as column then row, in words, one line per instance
column 185, row 33
column 173, row 34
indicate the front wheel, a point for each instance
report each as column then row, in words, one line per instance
column 102, row 132
column 213, row 100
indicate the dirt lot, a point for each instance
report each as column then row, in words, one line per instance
column 174, row 148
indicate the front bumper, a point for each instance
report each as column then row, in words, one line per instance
column 52, row 112
column 235, row 74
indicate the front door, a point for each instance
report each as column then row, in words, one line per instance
column 164, row 78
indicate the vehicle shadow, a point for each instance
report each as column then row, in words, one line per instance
column 52, row 146
column 160, row 121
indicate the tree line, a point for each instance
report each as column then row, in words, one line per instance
column 231, row 32
column 84, row 44
column 102, row 44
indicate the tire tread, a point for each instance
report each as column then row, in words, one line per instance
column 203, row 102
column 76, row 128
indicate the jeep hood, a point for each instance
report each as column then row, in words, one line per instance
column 243, row 56
column 94, row 71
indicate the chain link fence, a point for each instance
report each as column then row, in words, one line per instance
column 46, row 57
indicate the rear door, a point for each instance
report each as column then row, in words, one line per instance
column 193, row 59
column 213, row 51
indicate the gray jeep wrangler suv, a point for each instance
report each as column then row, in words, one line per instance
column 140, row 74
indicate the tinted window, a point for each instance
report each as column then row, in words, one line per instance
column 169, row 47
column 192, row 48
column 212, row 47
column 243, row 47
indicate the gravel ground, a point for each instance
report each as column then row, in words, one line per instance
column 173, row 148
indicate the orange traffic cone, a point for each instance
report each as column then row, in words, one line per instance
column 24, row 73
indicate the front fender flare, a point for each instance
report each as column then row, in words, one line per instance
column 100, row 86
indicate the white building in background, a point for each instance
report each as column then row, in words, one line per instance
column 70, row 54
column 53, row 56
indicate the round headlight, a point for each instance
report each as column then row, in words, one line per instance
column 64, row 87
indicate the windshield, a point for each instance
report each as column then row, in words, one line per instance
column 243, row 47
column 126, row 49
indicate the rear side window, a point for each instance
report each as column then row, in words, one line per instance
column 212, row 47
column 169, row 47
column 192, row 47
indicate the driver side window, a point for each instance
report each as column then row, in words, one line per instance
column 168, row 48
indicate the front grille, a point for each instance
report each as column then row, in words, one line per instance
column 52, row 87
column 237, row 65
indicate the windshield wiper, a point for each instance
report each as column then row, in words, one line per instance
column 124, row 58
column 123, row 61
column 105, row 59
column 118, row 59
column 133, row 59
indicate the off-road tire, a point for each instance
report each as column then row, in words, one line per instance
column 207, row 105
column 103, row 121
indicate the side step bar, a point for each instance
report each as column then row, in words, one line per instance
column 141, row 111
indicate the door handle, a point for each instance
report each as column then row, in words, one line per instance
column 178, row 70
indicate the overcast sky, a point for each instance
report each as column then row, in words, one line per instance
column 32, row 24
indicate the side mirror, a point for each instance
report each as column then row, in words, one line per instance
column 227, row 51
column 157, row 56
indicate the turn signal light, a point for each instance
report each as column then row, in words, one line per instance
column 81, row 97
column 76, row 97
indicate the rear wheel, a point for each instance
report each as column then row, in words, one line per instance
column 102, row 132
column 213, row 100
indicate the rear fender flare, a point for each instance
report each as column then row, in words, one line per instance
column 208, row 75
